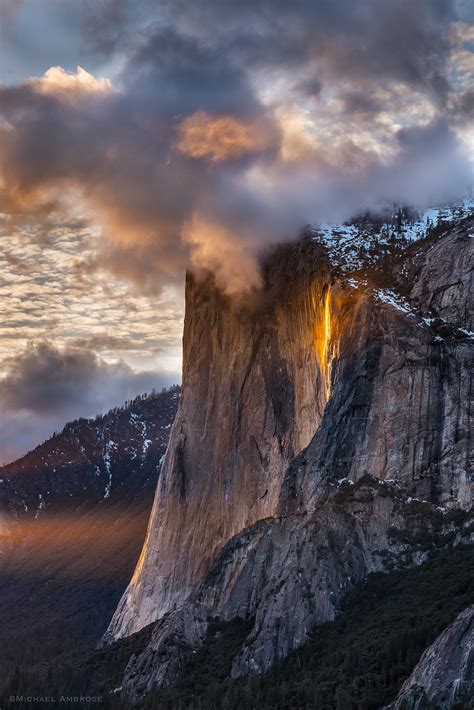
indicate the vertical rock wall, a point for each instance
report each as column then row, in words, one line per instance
column 256, row 379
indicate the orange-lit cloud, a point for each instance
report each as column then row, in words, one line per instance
column 298, row 136
column 218, row 138
column 68, row 85
column 215, row 249
column 201, row 149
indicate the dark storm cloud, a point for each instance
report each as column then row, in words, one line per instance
column 187, row 74
column 106, row 24
column 7, row 7
column 44, row 387
column 465, row 104
column 398, row 39
column 205, row 147
column 45, row 379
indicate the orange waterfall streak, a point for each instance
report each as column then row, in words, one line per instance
column 322, row 339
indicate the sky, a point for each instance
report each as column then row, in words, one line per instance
column 139, row 139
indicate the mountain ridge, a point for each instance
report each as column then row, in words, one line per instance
column 51, row 469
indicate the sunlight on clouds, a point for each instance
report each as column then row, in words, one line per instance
column 205, row 148
column 48, row 288
column 317, row 129
column 298, row 138
column 225, row 254
column 462, row 69
column 66, row 85
column 218, row 138
column 467, row 137
column 462, row 31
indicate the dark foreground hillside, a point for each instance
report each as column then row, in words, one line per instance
column 357, row 662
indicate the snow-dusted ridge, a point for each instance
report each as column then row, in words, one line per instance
column 359, row 242
column 93, row 460
column 396, row 301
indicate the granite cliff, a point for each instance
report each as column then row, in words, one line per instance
column 443, row 678
column 257, row 379
column 323, row 434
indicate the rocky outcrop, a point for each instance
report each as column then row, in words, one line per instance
column 400, row 410
column 439, row 277
column 314, row 420
column 444, row 676
column 289, row 575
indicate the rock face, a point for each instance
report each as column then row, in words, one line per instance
column 444, row 676
column 74, row 514
column 290, row 573
column 323, row 432
column 256, row 381
column 402, row 395
column 441, row 278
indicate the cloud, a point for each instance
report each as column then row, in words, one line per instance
column 8, row 8
column 58, row 82
column 231, row 126
column 218, row 139
column 44, row 379
column 50, row 287
column 101, row 342
column 44, row 386
column 230, row 260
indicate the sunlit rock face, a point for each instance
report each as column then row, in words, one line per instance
column 255, row 384
column 324, row 429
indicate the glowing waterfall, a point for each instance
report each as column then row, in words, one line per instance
column 322, row 339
